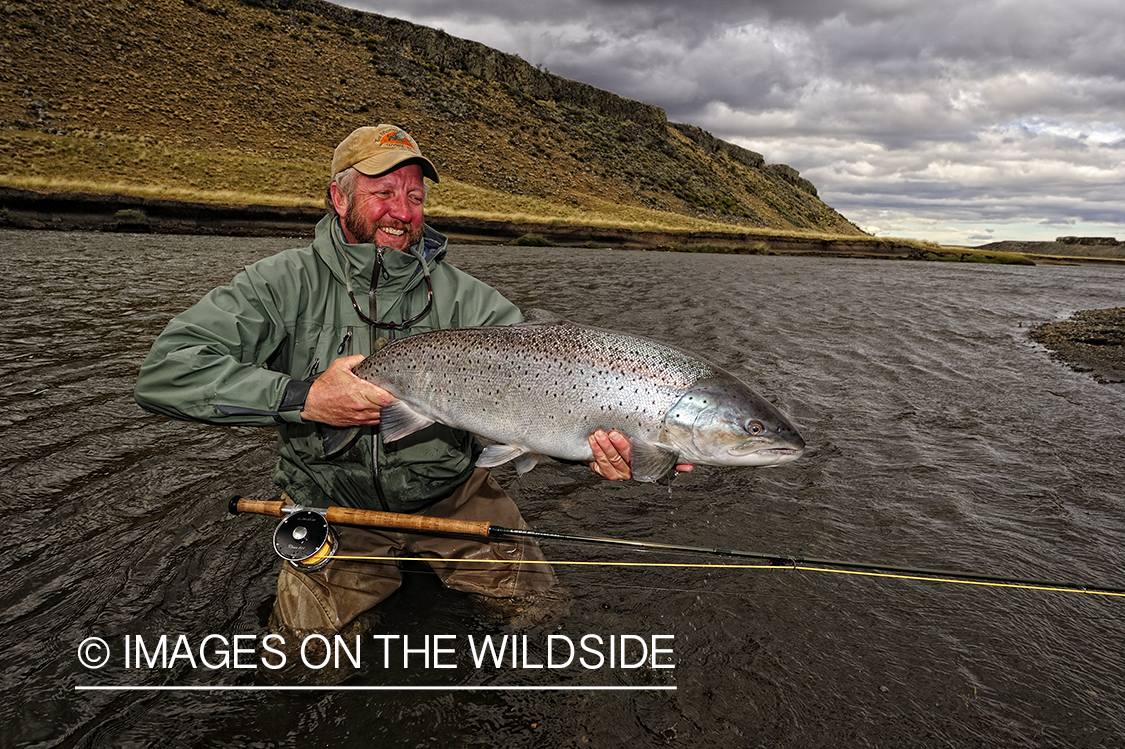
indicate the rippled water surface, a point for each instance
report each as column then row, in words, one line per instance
column 939, row 437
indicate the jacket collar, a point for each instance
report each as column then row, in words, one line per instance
column 401, row 270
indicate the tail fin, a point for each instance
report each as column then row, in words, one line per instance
column 337, row 439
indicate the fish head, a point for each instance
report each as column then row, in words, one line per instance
column 721, row 421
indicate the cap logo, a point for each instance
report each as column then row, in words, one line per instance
column 397, row 138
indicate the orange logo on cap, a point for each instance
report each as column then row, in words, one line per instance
column 396, row 138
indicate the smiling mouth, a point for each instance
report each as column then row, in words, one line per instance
column 392, row 231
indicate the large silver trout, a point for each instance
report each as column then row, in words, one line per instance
column 543, row 386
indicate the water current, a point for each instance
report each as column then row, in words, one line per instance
column 938, row 435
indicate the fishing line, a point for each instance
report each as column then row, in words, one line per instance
column 766, row 597
column 951, row 577
column 759, row 597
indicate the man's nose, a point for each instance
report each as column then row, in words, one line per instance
column 400, row 208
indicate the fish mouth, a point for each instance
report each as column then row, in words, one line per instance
column 767, row 455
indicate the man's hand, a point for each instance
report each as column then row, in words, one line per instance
column 613, row 454
column 340, row 399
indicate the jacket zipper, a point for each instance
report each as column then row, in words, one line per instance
column 375, row 432
column 345, row 344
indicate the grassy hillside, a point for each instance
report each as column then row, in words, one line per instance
column 242, row 101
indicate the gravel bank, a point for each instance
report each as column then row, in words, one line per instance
column 1090, row 341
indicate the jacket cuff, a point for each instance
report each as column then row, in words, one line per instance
column 293, row 401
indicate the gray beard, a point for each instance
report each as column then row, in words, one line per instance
column 364, row 231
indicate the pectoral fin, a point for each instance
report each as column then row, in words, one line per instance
column 398, row 420
column 651, row 461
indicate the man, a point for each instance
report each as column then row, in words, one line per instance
column 277, row 346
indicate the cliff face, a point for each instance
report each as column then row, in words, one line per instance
column 282, row 81
column 450, row 52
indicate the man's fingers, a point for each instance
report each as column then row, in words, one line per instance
column 623, row 447
column 362, row 389
column 611, row 455
column 340, row 398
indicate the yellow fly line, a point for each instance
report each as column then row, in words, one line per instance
column 743, row 566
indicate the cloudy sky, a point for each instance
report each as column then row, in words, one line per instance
column 957, row 121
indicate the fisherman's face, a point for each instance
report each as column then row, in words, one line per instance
column 386, row 210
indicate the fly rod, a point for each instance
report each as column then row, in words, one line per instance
column 305, row 538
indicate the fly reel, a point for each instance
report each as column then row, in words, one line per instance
column 306, row 540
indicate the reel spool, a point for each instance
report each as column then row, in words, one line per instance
column 305, row 540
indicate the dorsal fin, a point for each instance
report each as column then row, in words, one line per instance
column 543, row 317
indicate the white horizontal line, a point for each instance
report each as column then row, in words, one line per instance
column 370, row 689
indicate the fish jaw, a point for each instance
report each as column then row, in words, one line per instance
column 721, row 421
column 766, row 455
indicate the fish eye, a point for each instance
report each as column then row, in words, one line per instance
column 755, row 428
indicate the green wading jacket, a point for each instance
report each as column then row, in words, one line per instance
column 245, row 353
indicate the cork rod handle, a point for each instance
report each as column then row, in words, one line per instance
column 371, row 518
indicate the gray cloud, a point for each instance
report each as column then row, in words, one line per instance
column 964, row 119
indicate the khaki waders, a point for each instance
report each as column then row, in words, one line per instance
column 326, row 600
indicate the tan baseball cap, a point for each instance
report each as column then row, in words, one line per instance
column 377, row 150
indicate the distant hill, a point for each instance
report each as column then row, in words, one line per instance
column 1087, row 247
column 247, row 99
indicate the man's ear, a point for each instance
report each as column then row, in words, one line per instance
column 339, row 199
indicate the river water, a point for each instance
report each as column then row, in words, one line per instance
column 938, row 435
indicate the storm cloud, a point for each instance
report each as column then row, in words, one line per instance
column 961, row 121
